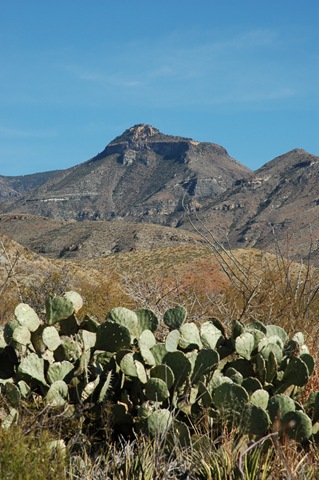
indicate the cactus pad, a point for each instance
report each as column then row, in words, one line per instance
column 189, row 338
column 279, row 405
column 27, row 317
column 51, row 338
column 309, row 361
column 159, row 351
column 147, row 339
column 205, row 363
column 75, row 298
column 128, row 366
column 180, row 366
column 297, row 425
column 255, row 420
column 272, row 349
column 237, row 329
column 88, row 339
column 141, row 372
column 58, row 308
column 147, row 320
column 112, row 337
column 236, row 376
column 57, row 394
column 159, row 422
column 32, row 367
column 60, row 371
column 296, row 373
column 21, row 335
column 147, row 356
column 278, row 331
column 210, row 334
column 260, row 398
column 172, row 340
column 125, row 317
column 251, row 384
column 175, row 317
column 156, row 390
column 229, row 396
column 244, row 345
column 165, row 373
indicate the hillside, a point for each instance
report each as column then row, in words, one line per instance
column 179, row 272
column 90, row 239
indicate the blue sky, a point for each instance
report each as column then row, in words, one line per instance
column 74, row 74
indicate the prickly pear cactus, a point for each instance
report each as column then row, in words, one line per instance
column 156, row 390
column 147, row 320
column 27, row 317
column 161, row 387
column 32, row 368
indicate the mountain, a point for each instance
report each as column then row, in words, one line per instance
column 142, row 175
column 276, row 208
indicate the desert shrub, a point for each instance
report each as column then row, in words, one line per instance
column 55, row 282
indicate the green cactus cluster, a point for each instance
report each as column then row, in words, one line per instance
column 250, row 379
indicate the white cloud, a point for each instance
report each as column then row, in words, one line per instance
column 103, row 79
column 9, row 132
column 247, row 67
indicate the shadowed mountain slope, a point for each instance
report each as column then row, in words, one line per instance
column 277, row 207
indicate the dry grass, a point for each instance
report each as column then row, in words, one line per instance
column 26, row 453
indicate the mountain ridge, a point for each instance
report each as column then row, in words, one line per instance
column 145, row 176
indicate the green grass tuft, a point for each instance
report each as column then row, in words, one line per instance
column 29, row 456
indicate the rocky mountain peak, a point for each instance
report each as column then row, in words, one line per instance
column 139, row 132
column 142, row 130
column 289, row 163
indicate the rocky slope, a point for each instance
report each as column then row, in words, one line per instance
column 276, row 208
column 11, row 188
